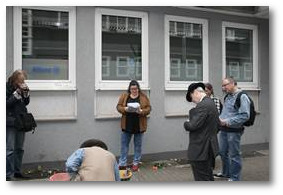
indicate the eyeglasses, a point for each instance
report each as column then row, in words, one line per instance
column 224, row 85
column 133, row 88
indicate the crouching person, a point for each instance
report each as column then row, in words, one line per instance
column 92, row 162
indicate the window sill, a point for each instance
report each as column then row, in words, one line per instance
column 113, row 116
column 53, row 89
column 50, row 118
column 250, row 89
column 176, row 88
column 175, row 115
column 119, row 89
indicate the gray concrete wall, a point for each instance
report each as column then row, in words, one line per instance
column 56, row 140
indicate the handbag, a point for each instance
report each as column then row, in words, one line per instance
column 25, row 122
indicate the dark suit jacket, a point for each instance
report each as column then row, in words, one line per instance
column 203, row 125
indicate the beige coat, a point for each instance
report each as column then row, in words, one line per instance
column 145, row 106
column 97, row 165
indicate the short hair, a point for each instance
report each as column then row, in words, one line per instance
column 200, row 89
column 134, row 83
column 231, row 80
column 94, row 142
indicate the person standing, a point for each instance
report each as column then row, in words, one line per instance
column 134, row 107
column 17, row 98
column 231, row 130
column 210, row 93
column 203, row 126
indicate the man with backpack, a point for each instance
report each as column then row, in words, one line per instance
column 236, row 112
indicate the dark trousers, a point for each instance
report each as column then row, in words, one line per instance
column 14, row 150
column 203, row 170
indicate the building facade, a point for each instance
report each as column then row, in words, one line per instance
column 80, row 59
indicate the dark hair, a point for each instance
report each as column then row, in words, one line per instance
column 94, row 142
column 209, row 86
column 12, row 79
column 134, row 83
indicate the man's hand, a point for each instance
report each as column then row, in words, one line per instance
column 223, row 123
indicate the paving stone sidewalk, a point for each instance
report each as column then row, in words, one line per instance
column 255, row 168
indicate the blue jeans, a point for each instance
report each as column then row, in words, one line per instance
column 14, row 151
column 125, row 141
column 230, row 152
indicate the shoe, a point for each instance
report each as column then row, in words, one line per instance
column 135, row 168
column 230, row 179
column 20, row 176
column 219, row 175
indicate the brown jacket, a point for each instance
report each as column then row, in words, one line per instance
column 145, row 106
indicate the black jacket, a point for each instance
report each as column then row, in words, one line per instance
column 203, row 126
column 14, row 106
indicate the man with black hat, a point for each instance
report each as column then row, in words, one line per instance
column 202, row 124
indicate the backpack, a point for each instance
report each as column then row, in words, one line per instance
column 237, row 105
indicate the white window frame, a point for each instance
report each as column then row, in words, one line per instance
column 69, row 84
column 183, row 85
column 119, row 66
column 188, row 68
column 247, row 70
column 178, row 64
column 244, row 85
column 138, row 66
column 234, row 69
column 28, row 37
column 119, row 84
column 106, row 65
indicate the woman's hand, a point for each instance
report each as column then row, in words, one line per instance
column 24, row 87
column 139, row 110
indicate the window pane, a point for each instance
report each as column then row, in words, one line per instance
column 121, row 48
column 45, row 44
column 239, row 54
column 186, row 52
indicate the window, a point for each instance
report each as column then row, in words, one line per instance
column 47, row 37
column 105, row 66
column 240, row 53
column 175, row 68
column 121, row 36
column 186, row 51
column 192, row 69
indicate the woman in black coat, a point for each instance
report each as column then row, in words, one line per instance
column 17, row 98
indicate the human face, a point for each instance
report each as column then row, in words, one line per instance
column 208, row 92
column 194, row 96
column 227, row 86
column 134, row 90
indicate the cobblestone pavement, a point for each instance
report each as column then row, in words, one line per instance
column 255, row 168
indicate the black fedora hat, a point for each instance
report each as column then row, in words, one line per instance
column 191, row 89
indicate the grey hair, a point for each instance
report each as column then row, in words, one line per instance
column 200, row 89
column 231, row 80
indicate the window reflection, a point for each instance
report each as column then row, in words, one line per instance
column 45, row 44
column 121, row 48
